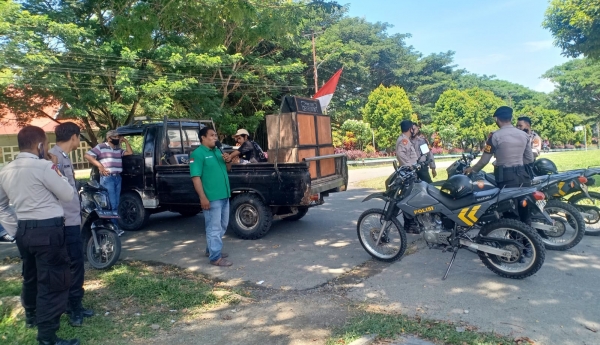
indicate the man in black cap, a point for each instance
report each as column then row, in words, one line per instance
column 512, row 149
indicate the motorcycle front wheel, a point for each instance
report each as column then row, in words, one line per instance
column 392, row 243
column 109, row 251
column 591, row 209
column 528, row 253
column 569, row 226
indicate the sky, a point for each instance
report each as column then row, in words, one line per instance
column 504, row 38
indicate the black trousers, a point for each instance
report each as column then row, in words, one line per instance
column 75, row 250
column 511, row 177
column 46, row 273
column 424, row 175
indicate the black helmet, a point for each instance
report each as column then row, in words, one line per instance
column 457, row 186
column 544, row 166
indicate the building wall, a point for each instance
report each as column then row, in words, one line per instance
column 10, row 149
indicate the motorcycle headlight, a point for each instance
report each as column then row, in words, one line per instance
column 87, row 202
column 101, row 199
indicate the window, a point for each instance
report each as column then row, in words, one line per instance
column 190, row 137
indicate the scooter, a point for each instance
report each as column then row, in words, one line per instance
column 102, row 244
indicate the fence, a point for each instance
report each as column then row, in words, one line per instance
column 10, row 152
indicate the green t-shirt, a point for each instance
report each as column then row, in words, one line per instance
column 210, row 166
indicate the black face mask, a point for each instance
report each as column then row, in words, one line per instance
column 115, row 141
column 526, row 130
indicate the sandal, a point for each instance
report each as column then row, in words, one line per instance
column 221, row 262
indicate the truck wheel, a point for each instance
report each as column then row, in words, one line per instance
column 132, row 212
column 249, row 217
column 302, row 211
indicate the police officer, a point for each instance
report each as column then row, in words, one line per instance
column 36, row 187
column 418, row 140
column 524, row 124
column 512, row 150
column 407, row 156
column 405, row 151
column 67, row 140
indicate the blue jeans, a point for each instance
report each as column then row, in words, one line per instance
column 216, row 220
column 113, row 184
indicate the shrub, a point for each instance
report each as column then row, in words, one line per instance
column 456, row 151
column 569, row 146
column 370, row 149
column 437, row 150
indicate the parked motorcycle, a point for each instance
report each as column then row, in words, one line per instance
column 567, row 226
column 102, row 244
column 507, row 247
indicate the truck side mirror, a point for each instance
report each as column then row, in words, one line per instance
column 424, row 149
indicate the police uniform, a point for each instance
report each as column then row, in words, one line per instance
column 73, row 238
column 36, row 189
column 536, row 144
column 512, row 149
column 405, row 151
column 423, row 173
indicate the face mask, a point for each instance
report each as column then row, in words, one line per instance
column 526, row 130
column 115, row 141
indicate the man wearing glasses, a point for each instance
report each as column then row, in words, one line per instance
column 108, row 158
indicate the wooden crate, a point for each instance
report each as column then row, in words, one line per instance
column 326, row 166
column 298, row 129
column 296, row 155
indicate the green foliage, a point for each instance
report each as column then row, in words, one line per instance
column 385, row 109
column 575, row 25
column 469, row 112
column 361, row 131
column 577, row 87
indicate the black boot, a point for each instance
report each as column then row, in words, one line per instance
column 59, row 341
column 76, row 318
column 86, row 312
column 30, row 318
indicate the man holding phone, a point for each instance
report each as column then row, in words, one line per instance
column 36, row 188
column 108, row 158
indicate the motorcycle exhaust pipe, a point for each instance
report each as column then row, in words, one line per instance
column 485, row 248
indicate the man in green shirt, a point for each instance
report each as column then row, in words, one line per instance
column 209, row 174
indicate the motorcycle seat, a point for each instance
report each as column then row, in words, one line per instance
column 453, row 204
column 490, row 178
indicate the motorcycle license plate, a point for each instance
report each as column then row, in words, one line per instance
column 541, row 204
column 107, row 214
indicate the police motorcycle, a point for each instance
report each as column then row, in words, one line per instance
column 567, row 226
column 102, row 244
column 588, row 203
column 464, row 214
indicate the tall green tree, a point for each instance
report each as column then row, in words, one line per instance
column 111, row 61
column 575, row 25
column 385, row 109
column 577, row 88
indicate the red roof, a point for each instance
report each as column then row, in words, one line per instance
column 9, row 124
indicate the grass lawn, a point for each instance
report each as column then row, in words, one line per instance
column 389, row 326
column 131, row 301
column 563, row 160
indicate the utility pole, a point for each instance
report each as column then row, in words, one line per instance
column 315, row 63
column 312, row 35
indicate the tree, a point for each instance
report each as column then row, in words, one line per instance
column 575, row 25
column 361, row 130
column 111, row 61
column 577, row 88
column 385, row 109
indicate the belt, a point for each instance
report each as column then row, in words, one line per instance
column 40, row 223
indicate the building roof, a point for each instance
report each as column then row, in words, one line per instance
column 9, row 125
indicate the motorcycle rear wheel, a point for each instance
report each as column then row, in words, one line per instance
column 516, row 267
column 580, row 199
column 392, row 244
column 565, row 215
column 110, row 249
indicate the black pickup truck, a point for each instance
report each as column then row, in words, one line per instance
column 156, row 178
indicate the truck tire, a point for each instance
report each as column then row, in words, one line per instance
column 132, row 212
column 302, row 211
column 249, row 217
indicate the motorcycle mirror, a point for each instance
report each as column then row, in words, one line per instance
column 93, row 183
column 395, row 165
column 424, row 149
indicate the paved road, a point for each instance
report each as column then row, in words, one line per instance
column 553, row 307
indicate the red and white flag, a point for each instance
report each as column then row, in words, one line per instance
column 325, row 94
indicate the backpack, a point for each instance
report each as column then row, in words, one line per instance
column 260, row 155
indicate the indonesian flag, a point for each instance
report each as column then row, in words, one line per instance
column 325, row 94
